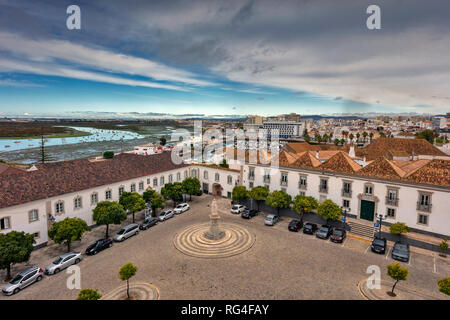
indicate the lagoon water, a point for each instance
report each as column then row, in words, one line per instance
column 97, row 135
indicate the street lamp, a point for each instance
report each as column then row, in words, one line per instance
column 380, row 218
column 344, row 213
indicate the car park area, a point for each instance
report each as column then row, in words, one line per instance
column 306, row 267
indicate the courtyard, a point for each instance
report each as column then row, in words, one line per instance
column 279, row 265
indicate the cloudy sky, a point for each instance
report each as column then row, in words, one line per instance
column 224, row 57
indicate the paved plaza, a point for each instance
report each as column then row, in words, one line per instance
column 279, row 265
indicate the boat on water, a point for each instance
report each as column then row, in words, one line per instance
column 16, row 141
column 7, row 146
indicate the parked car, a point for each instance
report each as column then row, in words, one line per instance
column 271, row 219
column 324, row 232
column 247, row 214
column 400, row 251
column 148, row 222
column 63, row 261
column 167, row 214
column 238, row 208
column 338, row 235
column 98, row 246
column 126, row 232
column 182, row 207
column 199, row 193
column 379, row 245
column 22, row 280
column 309, row 228
column 295, row 225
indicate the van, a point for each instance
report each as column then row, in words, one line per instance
column 126, row 232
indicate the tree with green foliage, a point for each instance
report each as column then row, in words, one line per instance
column 155, row 199
column 399, row 228
column 351, row 137
column 329, row 210
column 15, row 247
column 365, row 134
column 304, row 204
column 307, row 138
column 342, row 141
column 108, row 154
column 444, row 246
column 325, row 137
column 126, row 272
column 108, row 212
column 224, row 164
column 239, row 193
column 318, row 137
column 398, row 273
column 426, row 134
column 336, row 141
column 444, row 285
column 173, row 191
column 162, row 141
column 371, row 137
column 279, row 199
column 258, row 194
column 89, row 294
column 132, row 202
column 68, row 230
column 382, row 134
column 191, row 185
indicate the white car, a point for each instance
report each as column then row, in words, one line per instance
column 165, row 215
column 238, row 208
column 182, row 207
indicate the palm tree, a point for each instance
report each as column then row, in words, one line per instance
column 365, row 134
column 351, row 136
column 357, row 136
column 325, row 138
column 331, row 136
column 371, row 136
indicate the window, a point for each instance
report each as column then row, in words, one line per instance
column 59, row 207
column 251, row 173
column 302, row 182
column 155, row 182
column 424, row 203
column 121, row 190
column 194, row 173
column 161, row 181
column 392, row 197
column 284, row 178
column 422, row 219
column 178, row 176
column 347, row 189
column 302, row 193
column 266, row 176
column 424, row 199
column 133, row 188
column 108, row 195
column 185, row 173
column 4, row 223
column 217, row 177
column 36, row 235
column 148, row 181
column 391, row 213
column 205, row 175
column 141, row 186
column 323, row 187
column 346, row 203
column 94, row 198
column 368, row 189
column 77, row 203
column 33, row 215
column 170, row 178
column 392, row 194
column 230, row 180
column 250, row 185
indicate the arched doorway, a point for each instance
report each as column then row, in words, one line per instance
column 217, row 190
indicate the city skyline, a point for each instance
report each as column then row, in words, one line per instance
column 223, row 58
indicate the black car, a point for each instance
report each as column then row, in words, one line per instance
column 148, row 222
column 199, row 193
column 400, row 251
column 324, row 232
column 309, row 228
column 338, row 235
column 98, row 246
column 379, row 245
column 295, row 225
column 247, row 214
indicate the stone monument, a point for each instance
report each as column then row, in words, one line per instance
column 214, row 232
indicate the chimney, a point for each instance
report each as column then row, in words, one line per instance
column 351, row 152
column 317, row 153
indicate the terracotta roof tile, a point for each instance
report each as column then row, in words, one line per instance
column 382, row 168
column 436, row 172
column 382, row 146
column 306, row 160
column 340, row 162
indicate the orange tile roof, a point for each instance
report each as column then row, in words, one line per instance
column 382, row 168
column 340, row 162
column 306, row 160
column 436, row 172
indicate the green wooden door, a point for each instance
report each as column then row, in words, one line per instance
column 367, row 210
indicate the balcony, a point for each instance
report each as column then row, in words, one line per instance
column 266, row 179
column 251, row 177
column 323, row 189
column 346, row 193
column 424, row 207
column 283, row 183
column 392, row 201
column 302, row 186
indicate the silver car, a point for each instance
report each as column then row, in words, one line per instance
column 63, row 261
column 182, row 207
column 165, row 215
column 22, row 280
column 126, row 232
column 271, row 219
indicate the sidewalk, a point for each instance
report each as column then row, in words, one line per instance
column 402, row 291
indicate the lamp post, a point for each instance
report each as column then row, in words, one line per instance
column 344, row 212
column 380, row 218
